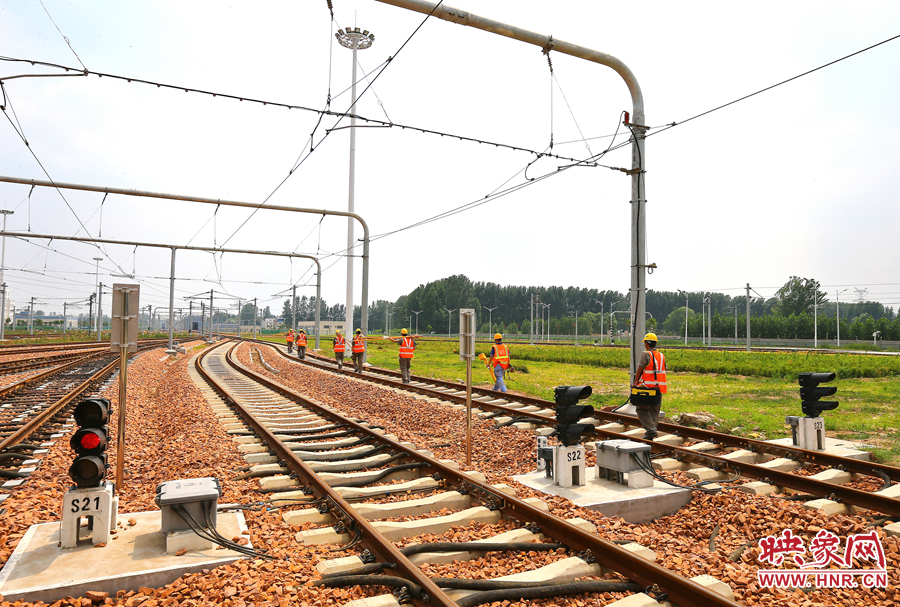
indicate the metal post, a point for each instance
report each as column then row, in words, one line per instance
column 99, row 311
column 815, row 320
column 417, row 312
column 354, row 40
column 294, row 308
column 255, row 313
column 5, row 213
column 702, row 320
column 548, row 323
column 531, row 336
column 748, row 317
column 735, row 325
column 686, row 303
column 490, row 318
column 96, row 277
column 637, row 127
column 90, row 313
column 123, row 386
column 3, row 309
column 211, row 315
column 171, row 301
column 837, row 308
column 64, row 314
column 709, row 311
column 191, row 318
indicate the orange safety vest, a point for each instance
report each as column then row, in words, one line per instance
column 301, row 339
column 359, row 344
column 501, row 355
column 339, row 343
column 407, row 347
column 655, row 377
column 289, row 337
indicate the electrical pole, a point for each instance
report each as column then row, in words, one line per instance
column 211, row 312
column 90, row 313
column 64, row 317
column 99, row 311
column 294, row 308
column 490, row 318
column 96, row 278
column 31, row 318
column 255, row 314
column 417, row 312
column 748, row 317
column 6, row 213
column 354, row 40
column 837, row 297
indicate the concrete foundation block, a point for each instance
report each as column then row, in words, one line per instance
column 781, row 464
column 346, row 563
column 669, row 439
column 382, row 600
column 892, row 491
column 833, row 476
column 187, row 540
column 893, row 529
column 706, row 474
column 743, row 456
column 635, row 600
column 612, row 427
column 703, row 447
column 757, row 488
column 714, row 585
column 667, row 464
column 827, row 506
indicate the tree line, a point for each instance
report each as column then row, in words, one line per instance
column 508, row 309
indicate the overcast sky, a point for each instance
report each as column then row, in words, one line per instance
column 799, row 180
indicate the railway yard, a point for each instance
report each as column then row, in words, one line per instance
column 355, row 489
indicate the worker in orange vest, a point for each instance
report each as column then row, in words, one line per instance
column 499, row 362
column 407, row 348
column 289, row 338
column 651, row 374
column 301, row 344
column 359, row 349
column 339, row 346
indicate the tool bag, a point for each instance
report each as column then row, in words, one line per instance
column 643, row 396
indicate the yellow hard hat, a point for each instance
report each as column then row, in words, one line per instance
column 359, row 330
column 650, row 337
column 302, row 331
column 404, row 332
column 497, row 336
column 338, row 332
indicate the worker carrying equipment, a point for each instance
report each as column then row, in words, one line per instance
column 358, row 350
column 499, row 362
column 407, row 351
column 301, row 344
column 339, row 347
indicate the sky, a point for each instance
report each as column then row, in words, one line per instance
column 799, row 180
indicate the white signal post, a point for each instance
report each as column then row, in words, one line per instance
column 467, row 353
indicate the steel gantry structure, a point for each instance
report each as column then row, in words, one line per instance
column 217, row 201
column 637, row 127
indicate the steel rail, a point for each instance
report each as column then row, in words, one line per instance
column 14, row 387
column 14, row 366
column 680, row 590
column 868, row 468
column 371, row 539
column 840, row 493
column 37, row 421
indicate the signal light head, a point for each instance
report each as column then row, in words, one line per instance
column 89, row 441
column 811, row 392
column 92, row 412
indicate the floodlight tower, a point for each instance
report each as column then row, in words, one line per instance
column 354, row 40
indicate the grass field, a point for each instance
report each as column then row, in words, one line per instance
column 749, row 393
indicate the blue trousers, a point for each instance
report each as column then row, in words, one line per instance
column 499, row 384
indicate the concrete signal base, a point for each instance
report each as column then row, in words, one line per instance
column 135, row 556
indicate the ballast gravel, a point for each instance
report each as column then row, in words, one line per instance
column 173, row 434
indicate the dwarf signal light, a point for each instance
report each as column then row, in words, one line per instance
column 811, row 392
column 568, row 412
column 89, row 442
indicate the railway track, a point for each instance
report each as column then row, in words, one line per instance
column 36, row 410
column 703, row 455
column 342, row 469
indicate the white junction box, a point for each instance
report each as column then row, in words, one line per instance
column 193, row 499
column 624, row 462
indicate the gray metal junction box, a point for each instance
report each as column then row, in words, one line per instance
column 195, row 495
column 616, row 455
